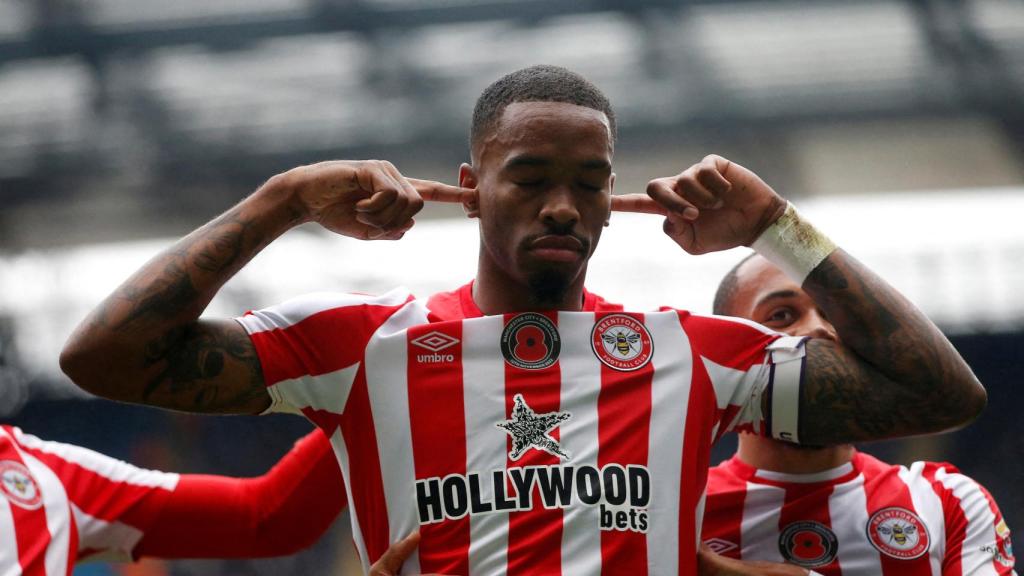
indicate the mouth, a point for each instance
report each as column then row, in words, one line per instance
column 557, row 248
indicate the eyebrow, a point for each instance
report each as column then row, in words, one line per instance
column 527, row 160
column 777, row 295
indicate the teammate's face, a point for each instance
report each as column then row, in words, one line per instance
column 766, row 295
column 544, row 178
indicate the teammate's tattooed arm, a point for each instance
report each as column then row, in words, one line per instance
column 145, row 343
column 895, row 373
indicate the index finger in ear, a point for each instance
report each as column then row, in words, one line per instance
column 437, row 192
column 641, row 203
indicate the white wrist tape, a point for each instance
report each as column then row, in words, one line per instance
column 788, row 356
column 793, row 244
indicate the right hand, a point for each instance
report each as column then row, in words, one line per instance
column 368, row 199
column 390, row 563
column 711, row 564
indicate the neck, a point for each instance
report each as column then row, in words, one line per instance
column 496, row 292
column 776, row 456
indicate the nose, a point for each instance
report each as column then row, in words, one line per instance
column 816, row 326
column 559, row 209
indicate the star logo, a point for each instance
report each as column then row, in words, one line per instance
column 530, row 430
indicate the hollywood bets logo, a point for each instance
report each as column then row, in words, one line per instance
column 623, row 493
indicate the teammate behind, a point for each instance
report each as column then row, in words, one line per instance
column 834, row 509
column 521, row 422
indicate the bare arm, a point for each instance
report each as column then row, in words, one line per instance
column 144, row 343
column 894, row 374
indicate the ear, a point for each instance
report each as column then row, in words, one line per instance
column 468, row 179
column 611, row 190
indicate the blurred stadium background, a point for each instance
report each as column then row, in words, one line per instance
column 899, row 125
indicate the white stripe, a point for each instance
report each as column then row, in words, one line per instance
column 810, row 478
column 848, row 512
column 113, row 541
column 483, row 376
column 105, row 466
column 298, row 309
column 980, row 523
column 341, row 452
column 9, row 565
column 928, row 507
column 58, row 517
column 670, row 392
column 759, row 529
column 387, row 378
column 581, row 383
column 322, row 392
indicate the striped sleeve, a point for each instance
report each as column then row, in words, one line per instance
column 745, row 362
column 113, row 502
column 977, row 537
column 310, row 347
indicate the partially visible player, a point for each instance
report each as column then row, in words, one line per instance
column 834, row 509
column 61, row 504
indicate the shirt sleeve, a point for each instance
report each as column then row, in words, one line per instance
column 113, row 502
column 749, row 366
column 279, row 513
column 310, row 347
column 977, row 537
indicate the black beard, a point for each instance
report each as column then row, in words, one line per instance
column 548, row 288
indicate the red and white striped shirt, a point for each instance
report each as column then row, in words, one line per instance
column 61, row 503
column 532, row 443
column 863, row 518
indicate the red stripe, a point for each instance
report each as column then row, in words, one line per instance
column 438, row 426
column 700, row 419
column 807, row 546
column 889, row 490
column 324, row 342
column 724, row 518
column 726, row 342
column 956, row 524
column 101, row 497
column 366, row 490
column 623, row 431
column 534, row 536
column 30, row 530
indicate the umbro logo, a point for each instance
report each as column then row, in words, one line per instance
column 720, row 546
column 435, row 342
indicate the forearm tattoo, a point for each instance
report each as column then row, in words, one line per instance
column 896, row 374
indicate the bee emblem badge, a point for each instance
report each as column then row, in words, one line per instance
column 898, row 533
column 622, row 342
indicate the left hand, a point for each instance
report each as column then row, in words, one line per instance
column 713, row 205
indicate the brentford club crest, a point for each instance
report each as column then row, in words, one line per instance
column 899, row 533
column 622, row 342
column 530, row 341
column 808, row 544
column 18, row 485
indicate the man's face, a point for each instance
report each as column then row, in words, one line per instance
column 544, row 178
column 766, row 295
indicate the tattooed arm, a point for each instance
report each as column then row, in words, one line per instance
column 893, row 373
column 145, row 343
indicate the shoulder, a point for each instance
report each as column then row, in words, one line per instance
column 324, row 305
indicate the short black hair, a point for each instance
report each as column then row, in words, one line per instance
column 540, row 83
column 727, row 289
